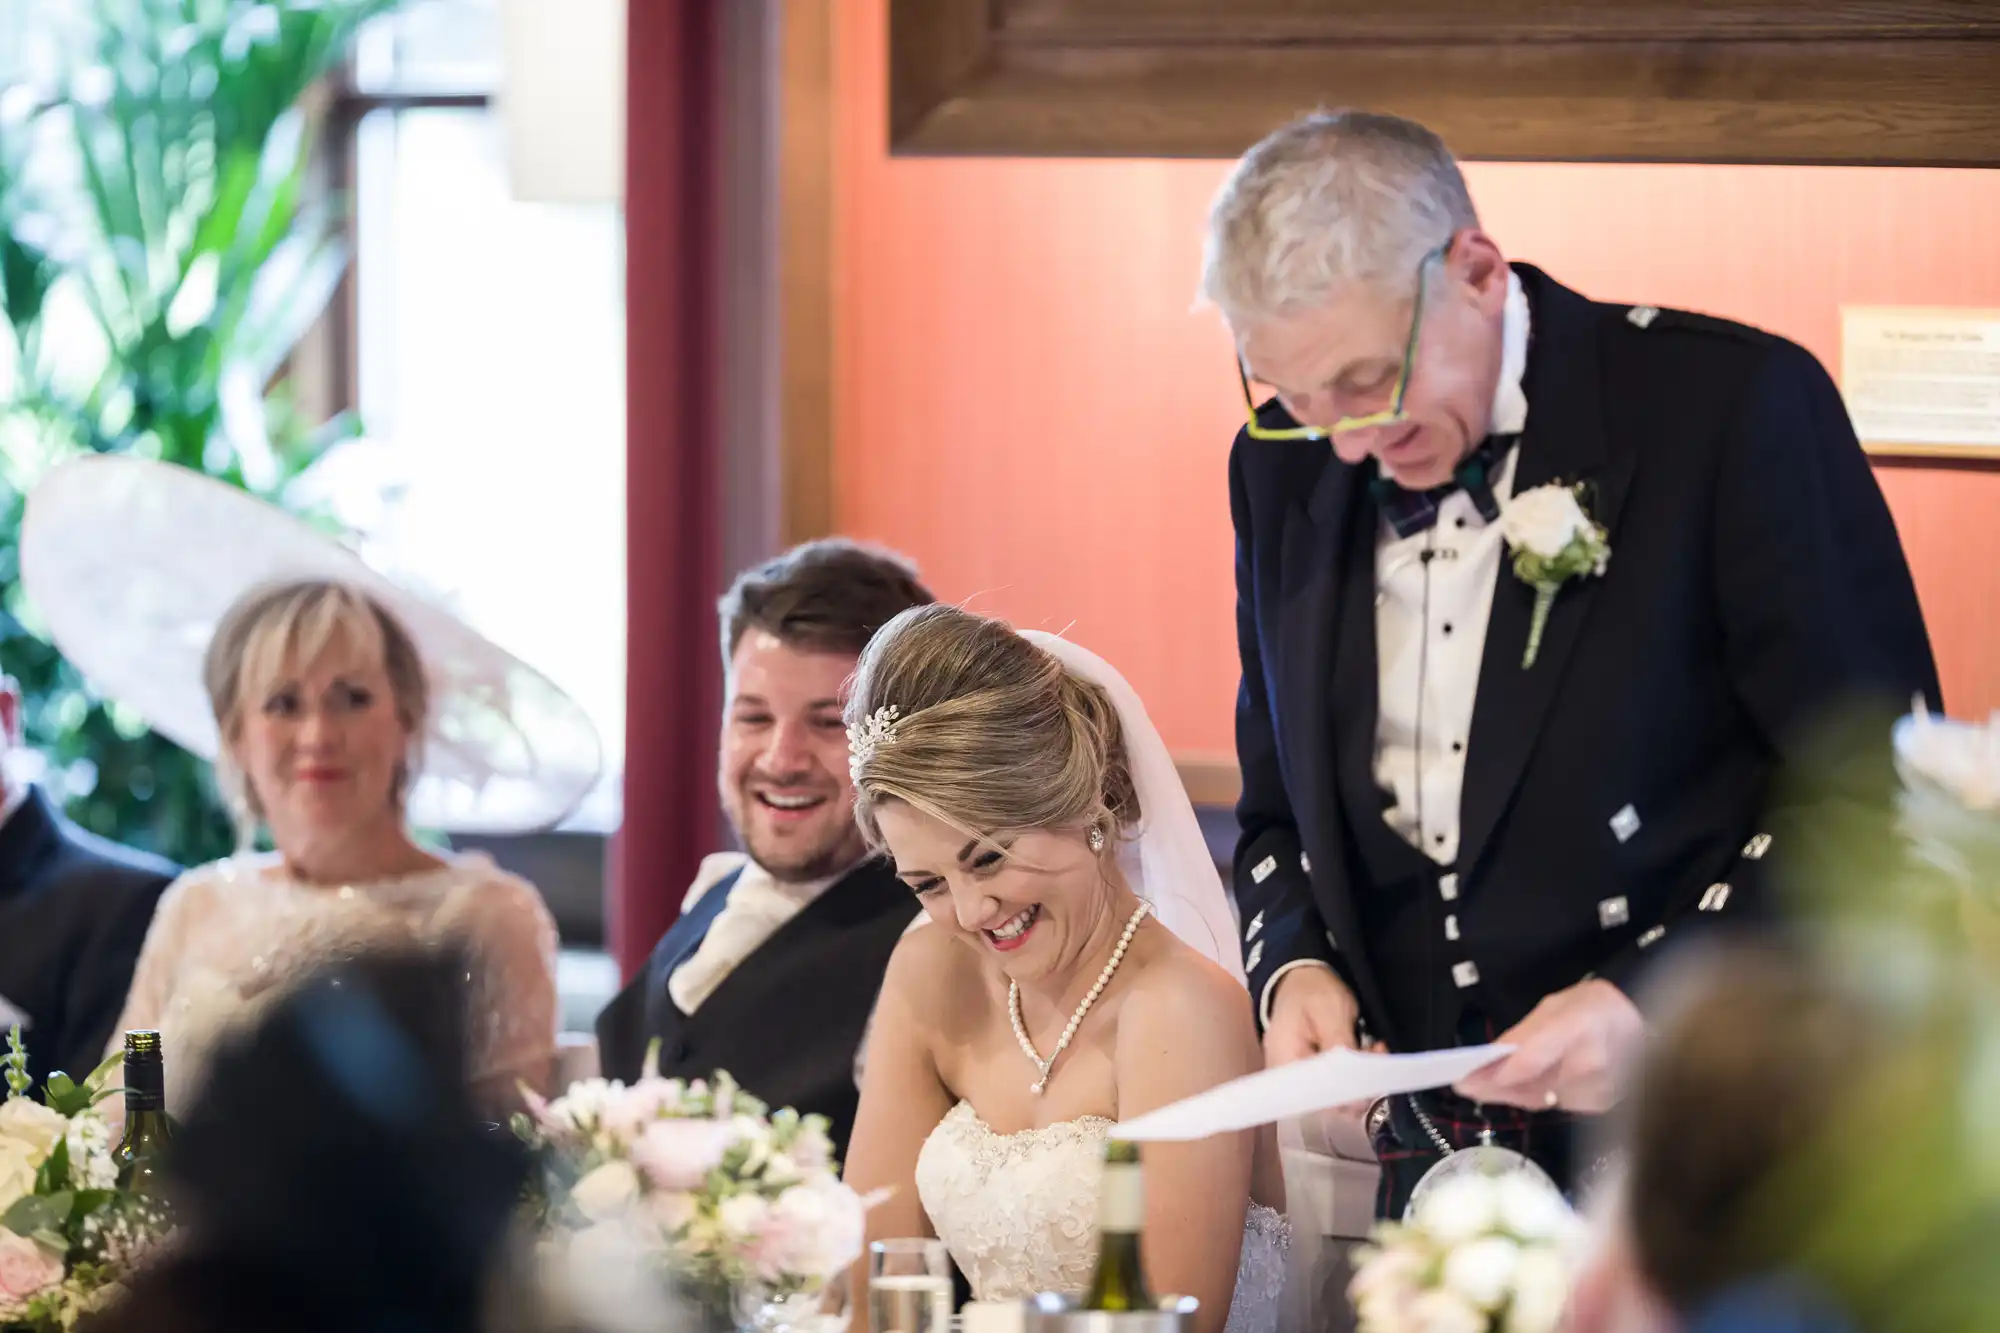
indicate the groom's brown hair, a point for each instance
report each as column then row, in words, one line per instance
column 828, row 596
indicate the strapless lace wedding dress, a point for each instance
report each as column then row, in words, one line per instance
column 1019, row 1214
column 231, row 937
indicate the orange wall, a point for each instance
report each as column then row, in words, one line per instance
column 1027, row 404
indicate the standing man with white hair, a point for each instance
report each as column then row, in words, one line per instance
column 1537, row 601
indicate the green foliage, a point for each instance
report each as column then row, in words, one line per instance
column 65, row 1096
column 15, row 1063
column 162, row 251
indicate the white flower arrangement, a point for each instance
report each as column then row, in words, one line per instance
column 1553, row 540
column 1958, row 759
column 1950, row 772
column 1483, row 1254
column 68, row 1235
column 719, row 1194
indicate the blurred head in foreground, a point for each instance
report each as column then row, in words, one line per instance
column 1744, row 1068
column 335, row 1174
column 1809, row 1148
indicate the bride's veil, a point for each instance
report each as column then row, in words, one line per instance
column 1168, row 863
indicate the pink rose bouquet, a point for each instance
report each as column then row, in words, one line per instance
column 722, row 1195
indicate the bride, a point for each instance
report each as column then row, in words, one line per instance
column 1082, row 969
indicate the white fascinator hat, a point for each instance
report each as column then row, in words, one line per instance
column 132, row 564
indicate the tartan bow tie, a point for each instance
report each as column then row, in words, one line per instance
column 1412, row 512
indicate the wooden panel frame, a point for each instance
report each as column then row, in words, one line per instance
column 1418, row 21
column 1942, row 455
column 1210, row 779
column 1852, row 82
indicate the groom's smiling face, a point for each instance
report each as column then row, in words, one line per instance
column 783, row 772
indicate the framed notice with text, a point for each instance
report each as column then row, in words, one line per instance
column 1922, row 382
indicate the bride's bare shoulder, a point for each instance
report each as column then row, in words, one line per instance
column 933, row 970
column 1179, row 986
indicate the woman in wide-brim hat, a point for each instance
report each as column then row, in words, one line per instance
column 337, row 707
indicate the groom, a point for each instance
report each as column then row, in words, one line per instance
column 1454, row 829
column 772, row 970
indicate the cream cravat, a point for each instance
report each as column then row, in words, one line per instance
column 758, row 905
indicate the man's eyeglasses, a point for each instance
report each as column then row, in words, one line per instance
column 1389, row 416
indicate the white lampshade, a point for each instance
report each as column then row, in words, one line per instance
column 562, row 99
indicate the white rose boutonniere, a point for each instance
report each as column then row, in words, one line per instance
column 1553, row 540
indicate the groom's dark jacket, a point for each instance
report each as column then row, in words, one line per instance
column 1757, row 609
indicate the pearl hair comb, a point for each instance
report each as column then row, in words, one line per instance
column 870, row 734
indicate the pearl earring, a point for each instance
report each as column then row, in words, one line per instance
column 1095, row 839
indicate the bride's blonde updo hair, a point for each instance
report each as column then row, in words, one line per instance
column 991, row 734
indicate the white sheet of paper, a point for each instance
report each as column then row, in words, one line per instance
column 11, row 1015
column 1318, row 1084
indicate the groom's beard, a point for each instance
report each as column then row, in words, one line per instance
column 793, row 866
column 821, row 843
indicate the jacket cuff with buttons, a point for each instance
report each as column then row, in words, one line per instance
column 1282, row 929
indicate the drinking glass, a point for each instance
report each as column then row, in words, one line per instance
column 822, row 1311
column 909, row 1286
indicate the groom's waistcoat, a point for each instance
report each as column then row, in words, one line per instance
column 787, row 1022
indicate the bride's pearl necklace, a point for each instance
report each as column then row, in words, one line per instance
column 1076, row 1019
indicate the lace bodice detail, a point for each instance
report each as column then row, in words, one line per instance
column 1019, row 1214
column 229, row 937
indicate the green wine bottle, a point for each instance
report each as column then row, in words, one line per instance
column 147, row 1126
column 1120, row 1280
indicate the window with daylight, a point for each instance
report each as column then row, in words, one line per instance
column 481, row 338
